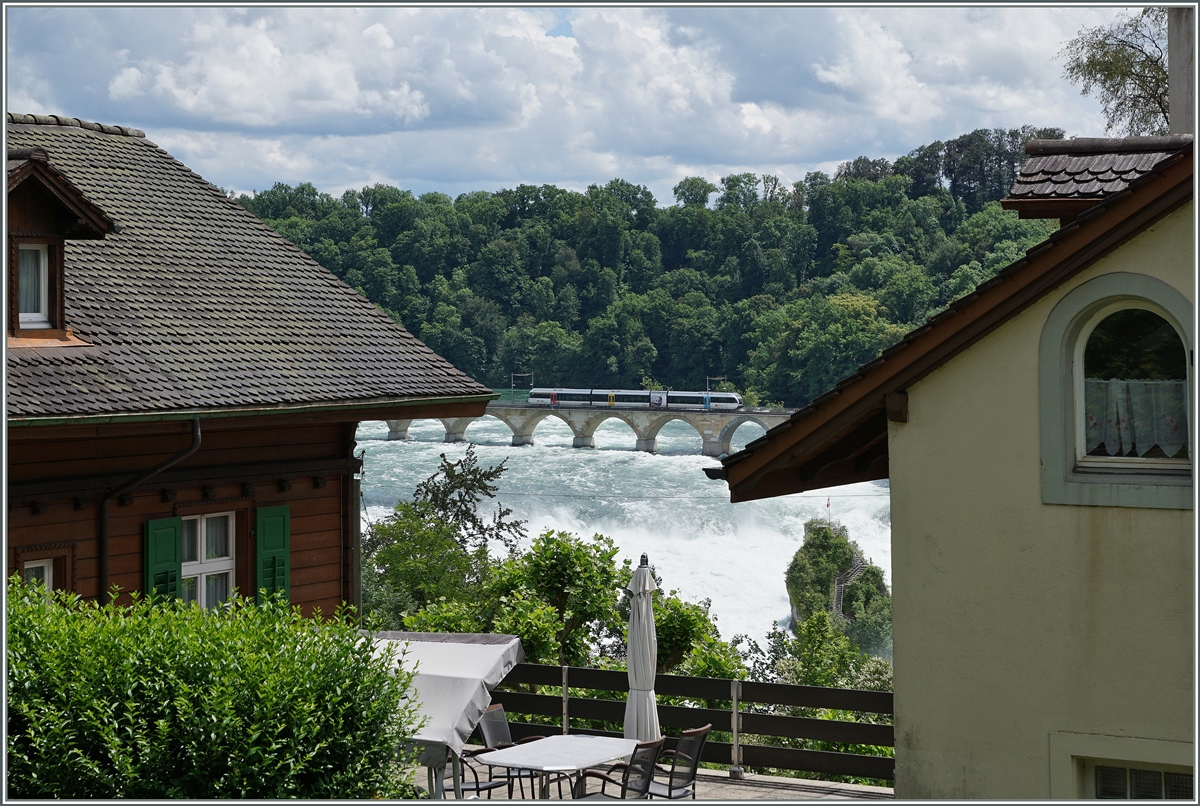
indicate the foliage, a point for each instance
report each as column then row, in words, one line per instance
column 435, row 546
column 819, row 654
column 679, row 628
column 454, row 493
column 866, row 614
column 160, row 699
column 421, row 555
column 825, row 553
column 783, row 289
column 579, row 580
column 1125, row 64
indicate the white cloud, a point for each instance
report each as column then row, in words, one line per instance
column 872, row 69
column 479, row 98
column 126, row 84
column 377, row 35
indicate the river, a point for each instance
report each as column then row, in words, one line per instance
column 701, row 545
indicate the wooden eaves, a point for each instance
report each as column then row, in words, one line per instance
column 841, row 437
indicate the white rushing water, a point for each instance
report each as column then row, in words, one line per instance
column 662, row 504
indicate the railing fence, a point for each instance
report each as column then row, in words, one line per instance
column 735, row 719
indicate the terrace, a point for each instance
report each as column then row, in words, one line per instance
column 764, row 726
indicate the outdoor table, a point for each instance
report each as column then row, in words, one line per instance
column 569, row 754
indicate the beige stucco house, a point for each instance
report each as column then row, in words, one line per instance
column 1038, row 437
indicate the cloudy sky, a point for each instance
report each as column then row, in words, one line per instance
column 459, row 99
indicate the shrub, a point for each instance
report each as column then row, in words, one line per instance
column 161, row 699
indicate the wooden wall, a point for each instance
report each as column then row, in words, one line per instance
column 57, row 476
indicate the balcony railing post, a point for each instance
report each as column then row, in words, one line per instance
column 735, row 723
column 566, row 700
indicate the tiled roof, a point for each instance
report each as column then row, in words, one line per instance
column 1090, row 168
column 196, row 304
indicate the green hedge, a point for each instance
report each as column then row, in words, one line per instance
column 164, row 700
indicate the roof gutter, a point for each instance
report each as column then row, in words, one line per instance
column 213, row 414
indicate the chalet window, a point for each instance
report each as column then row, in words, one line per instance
column 193, row 558
column 207, row 559
column 1131, row 391
column 39, row 571
column 34, row 286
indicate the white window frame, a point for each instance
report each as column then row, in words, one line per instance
column 1082, row 460
column 41, row 319
column 202, row 568
column 47, row 564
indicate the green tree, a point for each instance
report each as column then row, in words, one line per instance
column 694, row 191
column 1125, row 64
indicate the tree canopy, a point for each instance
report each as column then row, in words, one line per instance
column 1125, row 64
column 781, row 287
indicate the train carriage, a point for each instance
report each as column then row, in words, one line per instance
column 634, row 399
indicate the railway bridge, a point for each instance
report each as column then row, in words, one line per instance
column 716, row 428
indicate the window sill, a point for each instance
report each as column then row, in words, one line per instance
column 1152, row 468
column 52, row 337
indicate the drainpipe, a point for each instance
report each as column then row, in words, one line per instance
column 126, row 487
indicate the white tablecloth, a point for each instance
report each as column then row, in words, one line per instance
column 454, row 675
column 560, row 753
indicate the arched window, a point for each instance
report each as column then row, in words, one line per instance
column 1114, row 383
column 1131, row 390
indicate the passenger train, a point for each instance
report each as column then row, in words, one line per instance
column 634, row 399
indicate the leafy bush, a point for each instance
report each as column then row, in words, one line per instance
column 161, row 699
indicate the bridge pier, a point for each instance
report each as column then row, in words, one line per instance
column 647, row 445
column 398, row 429
column 522, row 439
column 456, row 427
column 583, row 442
column 715, row 447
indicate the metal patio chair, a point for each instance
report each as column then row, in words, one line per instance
column 685, row 762
column 637, row 775
column 496, row 736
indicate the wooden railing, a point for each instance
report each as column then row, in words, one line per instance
column 734, row 720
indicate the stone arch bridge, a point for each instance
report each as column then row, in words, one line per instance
column 716, row 428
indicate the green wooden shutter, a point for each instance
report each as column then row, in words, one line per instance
column 163, row 556
column 274, row 528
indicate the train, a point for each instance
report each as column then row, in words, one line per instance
column 634, row 399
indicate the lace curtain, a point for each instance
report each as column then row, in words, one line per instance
column 1131, row 417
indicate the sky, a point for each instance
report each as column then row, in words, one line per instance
column 461, row 99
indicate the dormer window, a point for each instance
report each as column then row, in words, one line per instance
column 45, row 211
column 34, row 287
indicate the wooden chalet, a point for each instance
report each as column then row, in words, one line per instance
column 183, row 384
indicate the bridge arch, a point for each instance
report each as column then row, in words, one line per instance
column 656, row 423
column 733, row 425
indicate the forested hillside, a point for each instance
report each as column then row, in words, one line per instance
column 782, row 288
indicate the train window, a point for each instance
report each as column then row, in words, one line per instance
column 631, row 398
